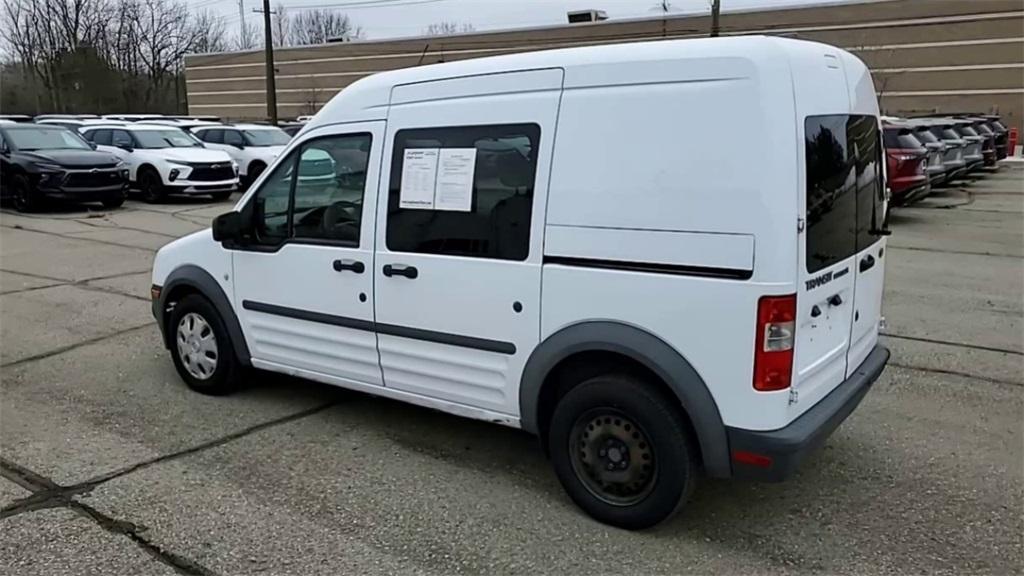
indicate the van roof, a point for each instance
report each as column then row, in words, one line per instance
column 368, row 98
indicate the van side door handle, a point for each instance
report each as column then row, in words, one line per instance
column 866, row 263
column 353, row 265
column 409, row 272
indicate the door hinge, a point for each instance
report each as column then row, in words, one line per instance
column 800, row 224
column 794, row 396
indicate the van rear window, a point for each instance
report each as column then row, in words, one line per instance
column 845, row 195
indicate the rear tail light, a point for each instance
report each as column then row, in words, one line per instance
column 773, row 352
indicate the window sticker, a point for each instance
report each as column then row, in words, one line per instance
column 454, row 188
column 419, row 175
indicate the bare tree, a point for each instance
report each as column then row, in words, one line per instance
column 249, row 40
column 93, row 55
column 211, row 30
column 44, row 33
column 446, row 28
column 321, row 25
column 281, row 26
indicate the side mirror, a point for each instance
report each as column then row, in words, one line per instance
column 126, row 148
column 229, row 227
column 91, row 144
column 239, row 146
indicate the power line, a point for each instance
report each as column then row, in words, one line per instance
column 361, row 4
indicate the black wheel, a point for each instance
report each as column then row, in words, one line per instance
column 25, row 198
column 152, row 186
column 113, row 202
column 622, row 451
column 221, row 196
column 254, row 171
column 201, row 347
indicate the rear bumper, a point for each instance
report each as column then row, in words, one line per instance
column 781, row 451
column 908, row 188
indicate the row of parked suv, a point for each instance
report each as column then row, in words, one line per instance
column 101, row 159
column 926, row 152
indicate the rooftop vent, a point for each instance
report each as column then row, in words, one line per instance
column 580, row 16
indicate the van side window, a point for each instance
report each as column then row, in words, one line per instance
column 497, row 225
column 322, row 200
column 270, row 205
column 844, row 187
column 329, row 188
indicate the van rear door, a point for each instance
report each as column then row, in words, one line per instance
column 825, row 290
column 870, row 269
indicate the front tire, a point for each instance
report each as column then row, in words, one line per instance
column 622, row 451
column 221, row 196
column 201, row 347
column 25, row 198
column 152, row 186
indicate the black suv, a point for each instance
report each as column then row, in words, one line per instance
column 39, row 161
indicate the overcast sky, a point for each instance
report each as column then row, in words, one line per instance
column 395, row 18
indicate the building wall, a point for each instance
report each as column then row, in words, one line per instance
column 926, row 55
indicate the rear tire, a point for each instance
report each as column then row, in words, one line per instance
column 152, row 186
column 201, row 347
column 25, row 198
column 622, row 451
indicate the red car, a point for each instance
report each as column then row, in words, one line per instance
column 905, row 158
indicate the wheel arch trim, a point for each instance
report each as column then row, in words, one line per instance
column 194, row 277
column 647, row 349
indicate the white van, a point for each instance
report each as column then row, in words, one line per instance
column 570, row 242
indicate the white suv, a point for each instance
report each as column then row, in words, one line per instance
column 252, row 146
column 650, row 304
column 165, row 160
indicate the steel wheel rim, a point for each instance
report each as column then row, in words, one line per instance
column 197, row 346
column 613, row 457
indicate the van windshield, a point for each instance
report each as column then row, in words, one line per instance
column 845, row 195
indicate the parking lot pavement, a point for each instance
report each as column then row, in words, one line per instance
column 111, row 466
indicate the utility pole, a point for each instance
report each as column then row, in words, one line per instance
column 243, row 30
column 268, row 47
column 716, row 7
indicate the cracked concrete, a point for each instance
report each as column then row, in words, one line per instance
column 111, row 466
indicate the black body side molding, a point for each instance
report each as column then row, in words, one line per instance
column 389, row 329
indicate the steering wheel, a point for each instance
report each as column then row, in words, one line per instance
column 337, row 217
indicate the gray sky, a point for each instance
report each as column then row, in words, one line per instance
column 395, row 18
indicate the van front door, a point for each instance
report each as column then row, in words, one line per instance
column 459, row 242
column 304, row 281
